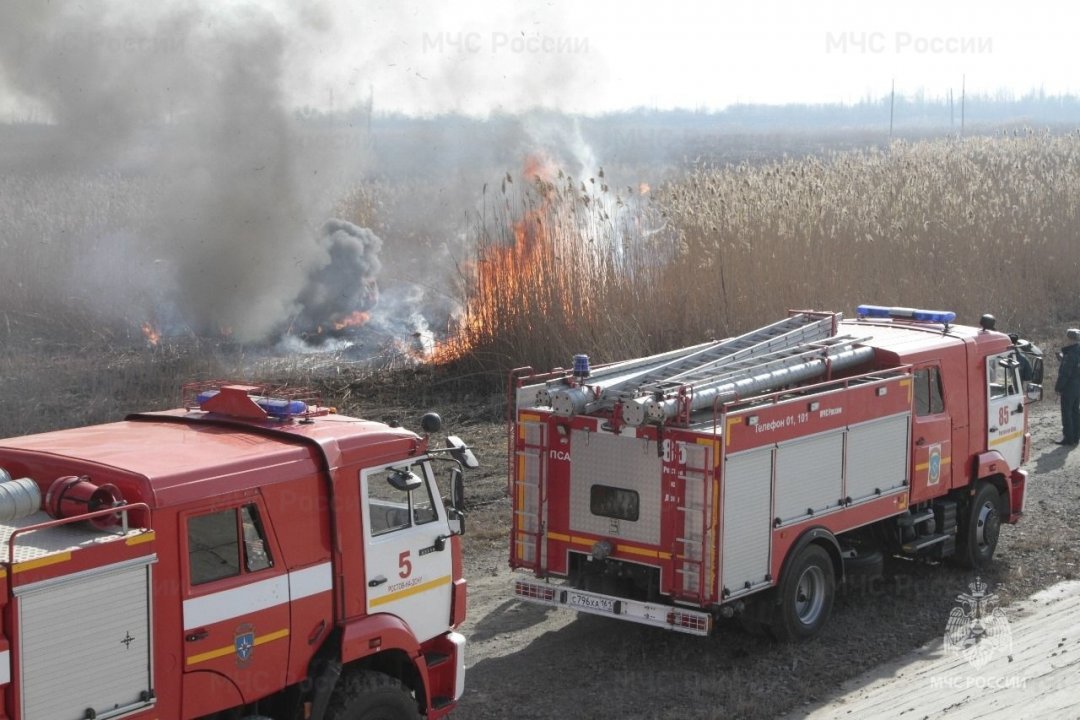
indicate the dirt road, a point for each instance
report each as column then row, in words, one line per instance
column 530, row 662
column 1030, row 669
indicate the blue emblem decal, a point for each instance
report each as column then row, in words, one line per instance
column 935, row 465
column 244, row 642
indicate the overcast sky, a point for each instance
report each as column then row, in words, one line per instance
column 603, row 55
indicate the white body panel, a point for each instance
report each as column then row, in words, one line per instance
column 620, row 462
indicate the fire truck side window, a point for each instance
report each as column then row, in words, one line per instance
column 928, row 399
column 256, row 553
column 214, row 548
column 423, row 506
column 390, row 509
column 1002, row 378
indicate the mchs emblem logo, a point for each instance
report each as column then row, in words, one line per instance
column 244, row 642
column 978, row 629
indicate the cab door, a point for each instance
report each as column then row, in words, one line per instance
column 1004, row 408
column 406, row 547
column 235, row 611
column 932, row 436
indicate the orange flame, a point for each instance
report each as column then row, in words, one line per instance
column 514, row 282
column 352, row 320
column 153, row 337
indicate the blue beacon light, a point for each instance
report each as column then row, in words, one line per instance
column 881, row 311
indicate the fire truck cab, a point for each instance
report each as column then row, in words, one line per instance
column 743, row 477
column 251, row 555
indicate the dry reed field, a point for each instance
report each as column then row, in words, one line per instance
column 982, row 224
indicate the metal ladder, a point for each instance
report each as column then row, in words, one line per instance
column 529, row 495
column 626, row 380
column 767, row 357
column 795, row 330
column 691, row 564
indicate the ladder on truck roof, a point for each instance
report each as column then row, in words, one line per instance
column 729, row 380
column 620, row 381
column 673, row 385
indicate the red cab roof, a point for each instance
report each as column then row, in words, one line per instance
column 177, row 455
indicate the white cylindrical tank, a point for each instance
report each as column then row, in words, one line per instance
column 18, row 498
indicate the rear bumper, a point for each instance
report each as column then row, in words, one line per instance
column 668, row 617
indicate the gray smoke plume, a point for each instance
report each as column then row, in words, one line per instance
column 343, row 283
column 189, row 99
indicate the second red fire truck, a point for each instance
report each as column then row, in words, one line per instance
column 741, row 477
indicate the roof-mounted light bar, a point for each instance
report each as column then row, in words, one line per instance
column 902, row 313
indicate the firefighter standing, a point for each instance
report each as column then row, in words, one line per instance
column 1068, row 386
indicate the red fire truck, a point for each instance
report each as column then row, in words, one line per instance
column 251, row 555
column 741, row 477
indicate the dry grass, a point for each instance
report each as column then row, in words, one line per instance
column 973, row 225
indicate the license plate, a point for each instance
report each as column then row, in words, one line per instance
column 592, row 603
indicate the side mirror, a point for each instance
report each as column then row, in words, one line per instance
column 404, row 480
column 457, row 488
column 1037, row 370
column 456, row 520
column 461, row 452
column 1034, row 392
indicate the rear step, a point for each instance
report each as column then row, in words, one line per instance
column 920, row 544
column 440, row 701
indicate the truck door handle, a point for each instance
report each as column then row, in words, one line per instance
column 197, row 635
column 376, row 582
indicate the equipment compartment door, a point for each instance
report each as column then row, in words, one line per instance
column 747, row 533
column 84, row 643
column 407, row 558
column 1005, row 408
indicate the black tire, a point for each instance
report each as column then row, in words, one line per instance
column 977, row 536
column 806, row 595
column 365, row 695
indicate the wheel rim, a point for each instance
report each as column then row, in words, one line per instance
column 987, row 526
column 810, row 595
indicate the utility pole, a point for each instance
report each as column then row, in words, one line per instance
column 892, row 107
column 963, row 101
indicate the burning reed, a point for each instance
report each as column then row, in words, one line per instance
column 563, row 266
